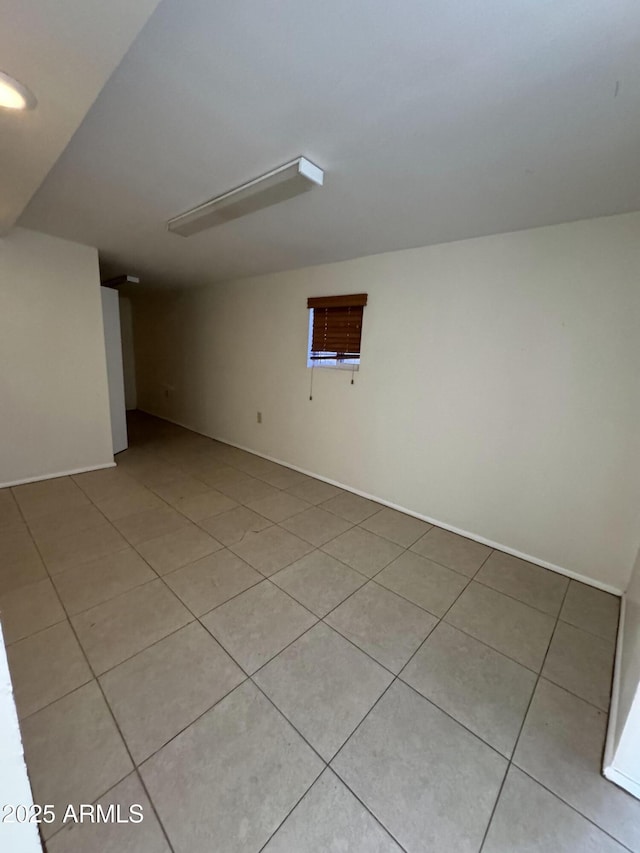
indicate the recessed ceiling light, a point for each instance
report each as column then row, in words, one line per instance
column 13, row 95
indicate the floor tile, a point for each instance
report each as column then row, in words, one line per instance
column 82, row 547
column 515, row 629
column 318, row 582
column 180, row 489
column 324, row 686
column 197, row 507
column 113, row 837
column 363, row 551
column 199, row 464
column 485, row 691
column 226, row 476
column 20, row 563
column 451, row 550
column 99, row 580
column 14, row 538
column 173, row 550
column 74, row 751
column 133, row 501
column 212, row 580
column 429, row 781
column 149, row 524
column 281, row 477
column 271, row 549
column 314, row 491
column 45, row 667
column 424, row 582
column 9, row 512
column 166, row 675
column 155, row 472
column 123, row 626
column 107, row 483
column 330, row 818
column 530, row 818
column 49, row 488
column 65, row 522
column 531, row 584
column 256, row 625
column 250, row 463
column 581, row 663
column 207, row 467
column 592, row 610
column 160, row 691
column 278, row 507
column 228, row 781
column 396, row 526
column 316, row 525
column 232, row 526
column 14, row 530
column 29, row 609
column 561, row 747
column 352, row 507
column 387, row 627
column 245, row 489
column 47, row 496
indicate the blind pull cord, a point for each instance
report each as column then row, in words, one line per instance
column 311, row 384
column 353, row 371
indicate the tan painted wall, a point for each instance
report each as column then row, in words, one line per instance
column 498, row 391
column 54, row 407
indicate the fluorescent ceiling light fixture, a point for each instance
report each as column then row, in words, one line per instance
column 14, row 95
column 285, row 182
column 121, row 279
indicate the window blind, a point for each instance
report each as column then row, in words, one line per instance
column 337, row 325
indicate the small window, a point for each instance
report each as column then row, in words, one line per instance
column 335, row 330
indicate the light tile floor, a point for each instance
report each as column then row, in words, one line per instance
column 266, row 662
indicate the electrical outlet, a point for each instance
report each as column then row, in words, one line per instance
column 259, row 417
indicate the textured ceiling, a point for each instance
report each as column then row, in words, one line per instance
column 434, row 121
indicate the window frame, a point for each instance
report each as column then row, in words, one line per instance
column 331, row 363
column 331, row 358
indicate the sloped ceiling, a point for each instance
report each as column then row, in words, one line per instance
column 64, row 51
column 434, row 121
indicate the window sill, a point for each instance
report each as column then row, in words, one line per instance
column 325, row 366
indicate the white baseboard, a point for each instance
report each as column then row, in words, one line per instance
column 622, row 781
column 57, row 474
column 474, row 536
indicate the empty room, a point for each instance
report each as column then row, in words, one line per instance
column 320, row 426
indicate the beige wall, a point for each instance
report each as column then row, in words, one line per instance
column 498, row 392
column 54, row 409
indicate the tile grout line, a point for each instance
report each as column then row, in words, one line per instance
column 397, row 678
column 379, row 699
column 268, row 577
column 573, row 808
column 104, row 698
column 441, row 619
column 319, row 619
column 366, row 580
column 522, row 725
column 327, row 764
column 250, row 677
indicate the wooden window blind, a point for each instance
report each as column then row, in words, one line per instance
column 337, row 326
